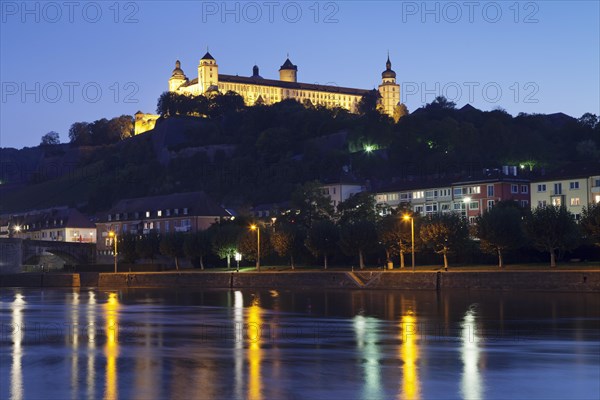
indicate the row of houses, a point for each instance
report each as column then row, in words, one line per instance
column 194, row 211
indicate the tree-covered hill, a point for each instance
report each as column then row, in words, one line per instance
column 244, row 155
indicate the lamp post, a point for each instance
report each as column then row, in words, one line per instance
column 256, row 228
column 113, row 235
column 407, row 217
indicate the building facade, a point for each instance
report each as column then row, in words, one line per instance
column 258, row 90
column 179, row 212
column 469, row 197
column 62, row 224
column 572, row 191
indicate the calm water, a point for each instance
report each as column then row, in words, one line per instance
column 144, row 344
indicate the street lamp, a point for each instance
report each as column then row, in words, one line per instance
column 238, row 258
column 113, row 235
column 407, row 217
column 256, row 228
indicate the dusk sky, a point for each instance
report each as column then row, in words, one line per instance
column 534, row 57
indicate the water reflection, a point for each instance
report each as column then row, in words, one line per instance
column 470, row 386
column 409, row 353
column 254, row 331
column 91, row 345
column 17, row 329
column 111, row 348
column 73, row 338
column 238, row 340
column 366, row 331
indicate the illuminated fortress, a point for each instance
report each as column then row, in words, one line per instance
column 258, row 90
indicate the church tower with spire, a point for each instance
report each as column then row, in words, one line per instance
column 389, row 89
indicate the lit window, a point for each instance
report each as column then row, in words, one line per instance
column 159, row 213
column 557, row 201
column 575, row 201
column 147, row 214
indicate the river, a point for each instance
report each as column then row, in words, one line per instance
column 296, row 344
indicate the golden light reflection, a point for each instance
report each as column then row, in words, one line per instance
column 409, row 352
column 16, row 372
column 471, row 386
column 111, row 349
column 91, row 340
column 238, row 319
column 253, row 335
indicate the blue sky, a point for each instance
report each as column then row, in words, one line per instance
column 65, row 63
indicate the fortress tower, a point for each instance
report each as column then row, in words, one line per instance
column 208, row 74
column 288, row 72
column 389, row 89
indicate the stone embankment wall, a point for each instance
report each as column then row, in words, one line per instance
column 577, row 281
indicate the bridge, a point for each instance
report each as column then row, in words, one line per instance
column 14, row 253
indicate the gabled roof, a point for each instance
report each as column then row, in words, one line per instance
column 197, row 203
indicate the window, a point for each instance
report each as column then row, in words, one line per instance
column 474, row 205
column 490, row 190
column 541, row 187
column 457, row 192
column 136, row 215
column 117, row 216
column 167, row 226
column 558, row 188
column 124, row 228
column 158, row 225
column 524, row 188
column 418, row 195
column 542, row 203
column 524, row 203
column 418, row 209
column 109, row 218
column 597, row 182
column 168, row 212
column 177, row 211
column 445, row 207
column 431, row 208
column 514, row 188
column 575, row 201
column 574, row 185
column 159, row 213
column 147, row 214
column 577, row 217
column 472, row 220
column 557, row 201
column 429, row 194
column 597, row 198
column 185, row 211
column 490, row 204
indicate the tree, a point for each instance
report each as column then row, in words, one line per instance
column 357, row 207
column 148, row 246
column 322, row 239
column 196, row 246
column 369, row 102
column 395, row 235
column 500, row 229
column 80, row 134
column 590, row 222
column 224, row 240
column 400, row 111
column 171, row 245
column 552, row 229
column 312, row 204
column 248, row 244
column 357, row 220
column 288, row 241
column 121, row 127
column 50, row 139
column 127, row 247
column 357, row 238
column 444, row 233
column 442, row 103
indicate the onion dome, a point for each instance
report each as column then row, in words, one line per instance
column 389, row 72
column 178, row 72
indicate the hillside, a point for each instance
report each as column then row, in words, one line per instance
column 259, row 154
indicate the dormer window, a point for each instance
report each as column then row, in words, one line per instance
column 177, row 211
column 147, row 214
column 159, row 213
column 185, row 211
column 109, row 218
